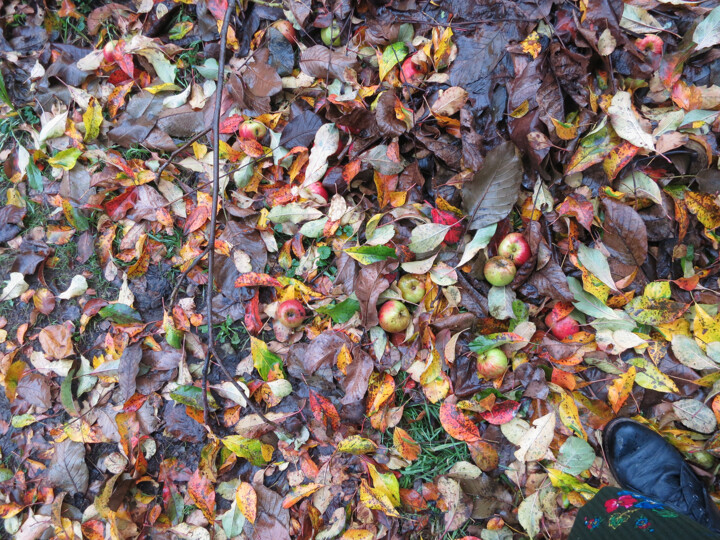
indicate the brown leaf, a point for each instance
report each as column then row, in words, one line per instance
column 368, row 287
column 356, row 381
column 625, row 234
column 68, row 471
column 320, row 62
column 179, row 425
column 388, row 123
column 34, row 389
column 262, row 79
column 56, row 341
column 128, row 370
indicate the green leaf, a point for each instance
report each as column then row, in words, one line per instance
column 480, row 240
column 264, row 359
column 500, row 302
column 695, row 415
column 590, row 305
column 576, row 456
column 314, row 229
column 596, row 263
column 121, row 314
column 4, row 97
column 35, row 179
column 484, row 343
column 427, row 237
column 22, row 420
column 233, row 521
column 652, row 378
column 392, row 55
column 66, row 159
column 342, row 312
column 689, row 353
column 254, row 451
column 371, row 254
column 530, row 513
column 293, row 213
column 654, row 311
column 191, row 395
column 66, row 397
column 707, row 33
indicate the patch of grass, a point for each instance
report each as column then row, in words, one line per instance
column 172, row 242
column 439, row 451
column 231, row 332
column 36, row 215
column 137, row 152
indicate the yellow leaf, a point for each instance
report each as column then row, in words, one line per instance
column 92, row 119
column 299, row 493
column 620, row 389
column 569, row 415
column 344, row 359
column 246, row 500
column 357, row 534
column 405, row 445
column 385, row 484
column 705, row 207
column 355, row 444
column 706, row 328
column 376, row 501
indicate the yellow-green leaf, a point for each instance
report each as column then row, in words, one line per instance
column 355, row 444
column 256, row 452
column 65, row 159
column 92, row 119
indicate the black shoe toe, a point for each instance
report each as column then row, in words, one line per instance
column 641, row 460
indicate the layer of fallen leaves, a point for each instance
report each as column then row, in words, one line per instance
column 435, row 129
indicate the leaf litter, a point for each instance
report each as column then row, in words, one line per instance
column 368, row 156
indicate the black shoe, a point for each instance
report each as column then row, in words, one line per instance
column 641, row 460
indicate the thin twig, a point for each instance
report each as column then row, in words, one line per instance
column 215, row 190
column 181, row 279
column 176, row 152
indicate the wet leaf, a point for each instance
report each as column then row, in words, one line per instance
column 457, row 424
column 695, row 415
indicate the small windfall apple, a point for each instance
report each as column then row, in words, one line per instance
column 251, row 129
column 109, row 52
column 561, row 328
column 515, row 247
column 411, row 72
column 491, row 364
column 290, row 313
column 394, row 316
column 331, row 35
column 499, row 271
column 318, row 192
column 412, row 288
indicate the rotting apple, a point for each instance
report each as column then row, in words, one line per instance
column 318, row 192
column 291, row 313
column 499, row 271
column 331, row 35
column 491, row 364
column 394, row 316
column 412, row 288
column 515, row 247
column 252, row 129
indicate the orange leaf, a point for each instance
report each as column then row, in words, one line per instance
column 457, row 424
column 406, row 446
column 255, row 279
column 202, row 493
column 299, row 493
column 246, row 500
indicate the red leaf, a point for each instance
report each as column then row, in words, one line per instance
column 579, row 208
column 456, row 424
column 252, row 315
column 501, row 413
column 255, row 279
column 455, row 233
column 231, row 124
column 119, row 206
column 323, row 410
column 217, row 8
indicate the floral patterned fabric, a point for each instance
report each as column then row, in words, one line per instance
column 620, row 514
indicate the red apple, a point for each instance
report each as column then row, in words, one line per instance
column 412, row 72
column 331, row 35
column 515, row 247
column 394, row 316
column 251, row 129
column 291, row 313
column 562, row 327
column 286, row 29
column 318, row 192
column 108, row 52
column 412, row 288
column 499, row 271
column 492, row 364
